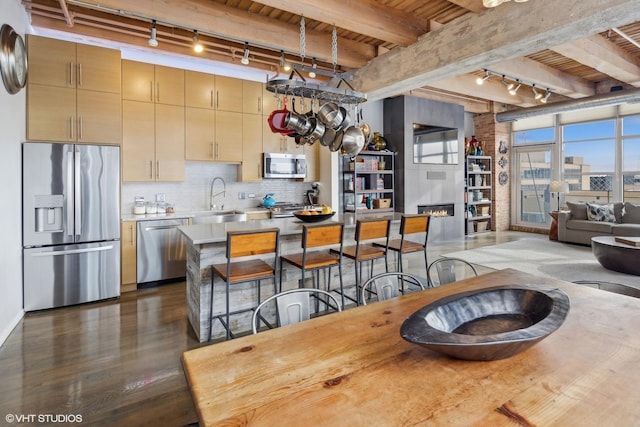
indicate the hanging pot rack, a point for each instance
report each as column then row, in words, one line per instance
column 302, row 88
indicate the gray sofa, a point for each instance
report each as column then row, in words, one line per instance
column 585, row 220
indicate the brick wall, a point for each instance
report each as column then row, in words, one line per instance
column 490, row 133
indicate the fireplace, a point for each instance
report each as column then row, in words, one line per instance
column 437, row 210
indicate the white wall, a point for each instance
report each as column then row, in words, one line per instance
column 12, row 133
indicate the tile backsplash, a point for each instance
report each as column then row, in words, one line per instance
column 193, row 194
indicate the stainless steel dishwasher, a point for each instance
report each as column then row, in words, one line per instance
column 161, row 252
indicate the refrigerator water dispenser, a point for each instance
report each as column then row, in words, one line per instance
column 48, row 213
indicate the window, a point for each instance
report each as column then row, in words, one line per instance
column 631, row 159
column 534, row 136
column 533, row 169
column 589, row 160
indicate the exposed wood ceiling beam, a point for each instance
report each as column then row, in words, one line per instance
column 364, row 16
column 478, row 106
column 599, row 53
column 65, row 11
column 544, row 76
column 228, row 22
column 505, row 32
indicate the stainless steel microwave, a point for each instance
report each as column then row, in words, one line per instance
column 283, row 165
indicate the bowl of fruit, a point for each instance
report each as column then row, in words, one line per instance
column 314, row 215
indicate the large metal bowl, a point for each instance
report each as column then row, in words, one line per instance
column 488, row 324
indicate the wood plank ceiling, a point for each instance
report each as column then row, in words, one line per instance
column 434, row 49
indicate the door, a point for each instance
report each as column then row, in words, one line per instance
column 56, row 276
column 47, row 203
column 97, row 187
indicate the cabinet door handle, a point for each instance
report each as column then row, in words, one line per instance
column 259, row 106
column 131, row 230
column 217, row 99
column 157, row 169
column 71, row 127
column 211, row 100
column 151, row 169
column 151, row 90
column 79, row 74
column 213, row 150
column 80, row 127
column 70, row 74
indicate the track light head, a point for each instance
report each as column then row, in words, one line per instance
column 312, row 73
column 514, row 90
column 283, row 62
column 197, row 46
column 245, row 56
column 537, row 95
column 153, row 42
column 508, row 85
column 546, row 97
column 481, row 80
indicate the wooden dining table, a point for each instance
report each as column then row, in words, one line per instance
column 353, row 369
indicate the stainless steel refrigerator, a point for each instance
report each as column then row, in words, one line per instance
column 71, row 224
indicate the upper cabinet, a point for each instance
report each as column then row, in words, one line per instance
column 199, row 89
column 252, row 97
column 73, row 92
column 229, row 94
column 152, row 83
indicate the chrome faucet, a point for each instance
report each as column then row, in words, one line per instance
column 212, row 204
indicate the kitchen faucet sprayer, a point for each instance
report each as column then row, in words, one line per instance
column 212, row 204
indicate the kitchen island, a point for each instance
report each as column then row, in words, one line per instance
column 206, row 244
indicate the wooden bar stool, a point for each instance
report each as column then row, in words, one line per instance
column 243, row 244
column 315, row 236
column 411, row 224
column 366, row 230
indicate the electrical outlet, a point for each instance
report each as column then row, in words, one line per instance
column 251, row 195
column 242, row 195
column 160, row 197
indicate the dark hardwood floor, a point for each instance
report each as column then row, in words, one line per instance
column 117, row 362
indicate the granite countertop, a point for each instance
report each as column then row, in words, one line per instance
column 215, row 233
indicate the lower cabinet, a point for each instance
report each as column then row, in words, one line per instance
column 128, row 273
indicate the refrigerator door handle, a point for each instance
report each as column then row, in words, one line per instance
column 70, row 220
column 77, row 187
column 72, row 251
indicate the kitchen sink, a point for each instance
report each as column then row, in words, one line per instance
column 220, row 216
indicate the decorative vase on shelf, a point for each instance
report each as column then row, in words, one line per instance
column 378, row 141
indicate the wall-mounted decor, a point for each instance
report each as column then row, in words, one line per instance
column 502, row 162
column 13, row 59
column 502, row 148
column 503, row 178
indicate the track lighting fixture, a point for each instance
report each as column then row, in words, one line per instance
column 514, row 90
column 245, row 56
column 283, row 62
column 546, row 97
column 537, row 95
column 480, row 80
column 153, row 42
column 312, row 73
column 508, row 85
column 197, row 46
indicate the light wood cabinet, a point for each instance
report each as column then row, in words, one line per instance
column 312, row 157
column 252, row 97
column 73, row 92
column 153, row 142
column 229, row 94
column 128, row 245
column 200, row 89
column 152, row 83
column 276, row 142
column 214, row 135
column 269, row 102
column 251, row 167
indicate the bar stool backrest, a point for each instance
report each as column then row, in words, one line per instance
column 411, row 224
column 369, row 229
column 242, row 243
column 322, row 235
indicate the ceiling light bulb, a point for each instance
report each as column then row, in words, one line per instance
column 312, row 73
column 153, row 42
column 514, row 90
column 197, row 46
column 283, row 62
column 480, row 80
column 537, row 95
column 245, row 56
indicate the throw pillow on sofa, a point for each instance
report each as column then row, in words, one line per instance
column 602, row 213
column 578, row 210
column 631, row 214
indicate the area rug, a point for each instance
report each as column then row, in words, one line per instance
column 546, row 258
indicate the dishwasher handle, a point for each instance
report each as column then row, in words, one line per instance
column 160, row 227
